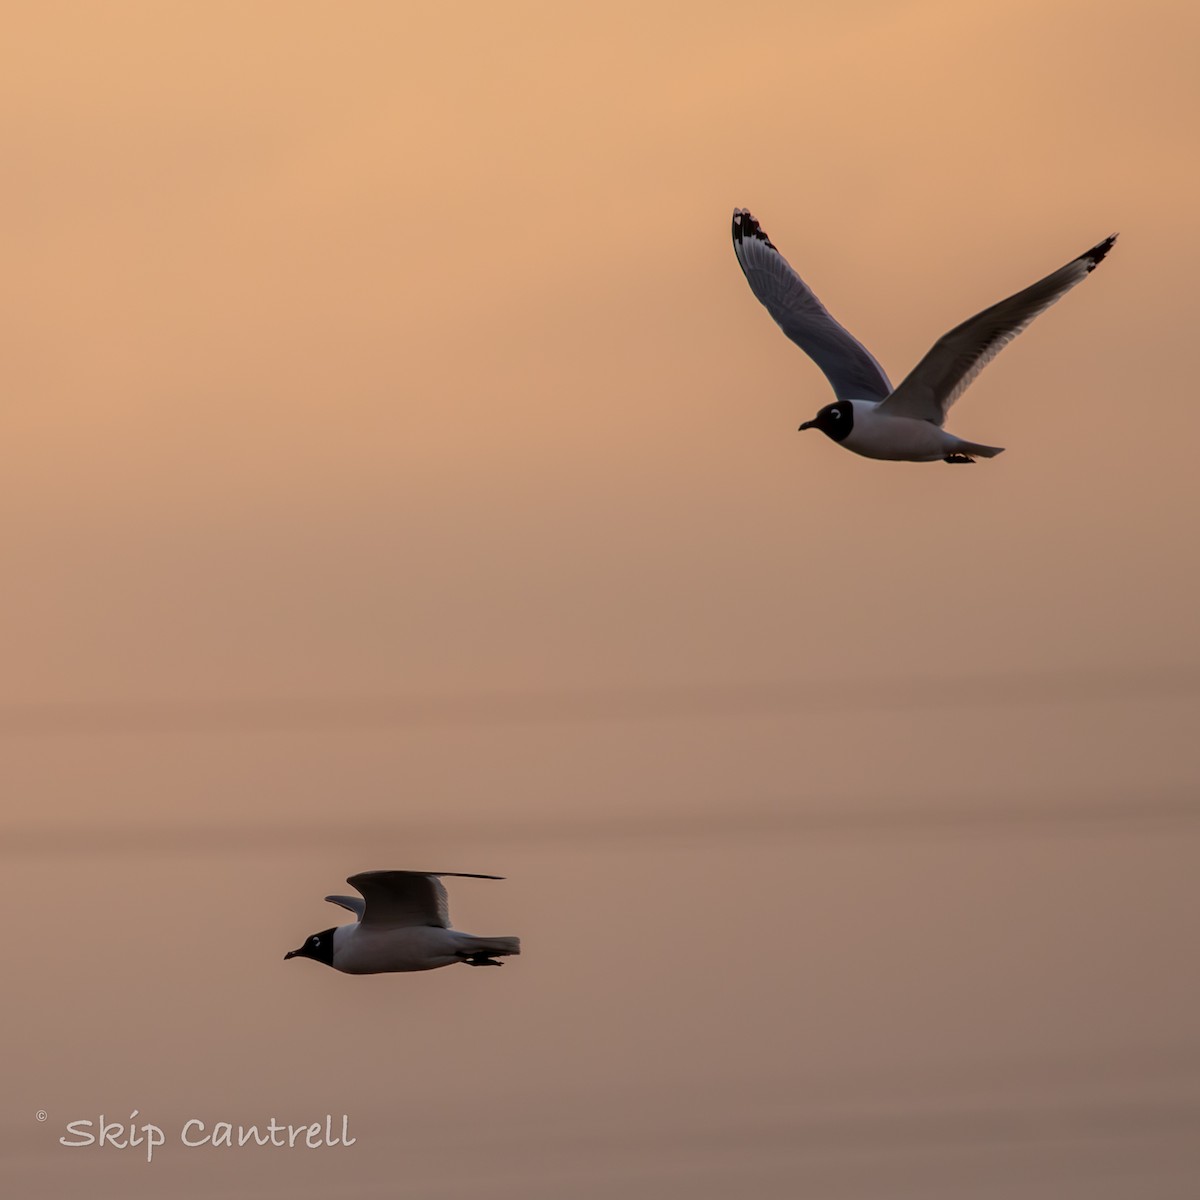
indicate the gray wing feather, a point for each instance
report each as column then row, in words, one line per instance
column 850, row 368
column 934, row 384
column 354, row 903
column 404, row 898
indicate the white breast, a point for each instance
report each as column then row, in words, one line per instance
column 877, row 435
column 366, row 951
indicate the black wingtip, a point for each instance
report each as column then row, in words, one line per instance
column 1095, row 256
column 745, row 226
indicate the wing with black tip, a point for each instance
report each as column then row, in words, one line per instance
column 848, row 365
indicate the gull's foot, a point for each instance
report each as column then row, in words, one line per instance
column 481, row 960
column 959, row 458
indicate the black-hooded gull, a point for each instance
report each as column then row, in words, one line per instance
column 403, row 925
column 870, row 417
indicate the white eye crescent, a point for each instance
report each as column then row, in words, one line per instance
column 833, row 412
column 316, row 941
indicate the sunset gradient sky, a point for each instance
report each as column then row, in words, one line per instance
column 398, row 472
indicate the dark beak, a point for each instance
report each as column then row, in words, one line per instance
column 808, row 425
column 290, row 954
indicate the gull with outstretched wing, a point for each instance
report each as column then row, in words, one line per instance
column 869, row 417
column 403, row 925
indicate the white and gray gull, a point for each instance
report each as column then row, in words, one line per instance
column 871, row 417
column 403, row 925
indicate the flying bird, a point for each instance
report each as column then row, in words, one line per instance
column 403, row 925
column 871, row 417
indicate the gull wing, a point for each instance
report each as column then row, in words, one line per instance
column 354, row 903
column 934, row 384
column 395, row 899
column 848, row 365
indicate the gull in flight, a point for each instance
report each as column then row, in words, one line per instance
column 403, row 925
column 871, row 417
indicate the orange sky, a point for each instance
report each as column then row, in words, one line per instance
column 394, row 363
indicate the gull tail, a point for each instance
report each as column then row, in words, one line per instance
column 483, row 951
column 976, row 449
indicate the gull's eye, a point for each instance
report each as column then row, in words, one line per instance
column 833, row 412
column 316, row 941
